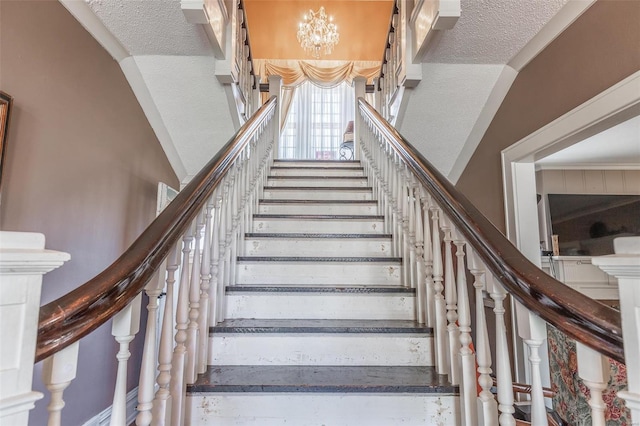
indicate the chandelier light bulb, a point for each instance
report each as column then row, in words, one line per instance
column 318, row 33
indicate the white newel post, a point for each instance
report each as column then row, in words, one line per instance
column 275, row 88
column 625, row 266
column 23, row 262
column 359, row 88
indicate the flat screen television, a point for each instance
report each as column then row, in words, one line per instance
column 587, row 224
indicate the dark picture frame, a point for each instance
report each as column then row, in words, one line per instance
column 6, row 102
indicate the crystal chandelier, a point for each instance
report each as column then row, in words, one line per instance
column 318, row 32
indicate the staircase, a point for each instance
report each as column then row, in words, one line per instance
column 318, row 328
column 315, row 289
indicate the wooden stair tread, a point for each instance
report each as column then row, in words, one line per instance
column 318, row 216
column 322, row 379
column 317, row 259
column 295, row 288
column 319, row 326
column 308, row 235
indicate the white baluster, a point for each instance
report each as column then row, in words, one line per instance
column 222, row 263
column 178, row 365
column 451, row 299
column 162, row 402
column 593, row 369
column 400, row 198
column 533, row 330
column 503, row 362
column 419, row 266
column 148, row 364
column 214, row 289
column 425, row 199
column 468, row 382
column 205, row 274
column 440, row 329
column 194, row 303
column 57, row 373
column 487, row 402
column 407, row 244
column 125, row 326
column 538, row 409
column 232, row 239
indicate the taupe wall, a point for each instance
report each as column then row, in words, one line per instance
column 599, row 49
column 82, row 167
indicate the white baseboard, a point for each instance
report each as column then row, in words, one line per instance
column 104, row 418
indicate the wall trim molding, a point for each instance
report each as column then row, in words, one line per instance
column 608, row 108
column 590, row 166
column 104, row 418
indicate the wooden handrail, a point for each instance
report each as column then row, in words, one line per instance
column 580, row 317
column 76, row 314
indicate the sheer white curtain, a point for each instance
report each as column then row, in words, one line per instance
column 316, row 122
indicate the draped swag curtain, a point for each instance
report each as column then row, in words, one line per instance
column 317, row 120
column 321, row 73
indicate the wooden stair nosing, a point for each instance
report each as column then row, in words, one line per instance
column 345, row 259
column 332, row 326
column 318, row 216
column 306, row 235
column 303, row 288
column 322, row 379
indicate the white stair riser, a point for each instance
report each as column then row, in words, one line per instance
column 334, row 226
column 315, row 172
column 315, row 164
column 319, row 208
column 320, row 306
column 318, row 273
column 315, row 409
column 315, row 182
column 319, row 349
column 317, row 194
column 318, row 247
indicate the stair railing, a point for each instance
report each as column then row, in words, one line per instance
column 441, row 236
column 196, row 240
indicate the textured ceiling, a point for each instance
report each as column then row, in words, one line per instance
column 152, row 27
column 362, row 25
column 491, row 32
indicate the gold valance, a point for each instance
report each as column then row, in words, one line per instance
column 322, row 73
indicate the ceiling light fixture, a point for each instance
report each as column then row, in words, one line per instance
column 317, row 33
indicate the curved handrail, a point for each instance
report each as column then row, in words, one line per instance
column 79, row 312
column 580, row 317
